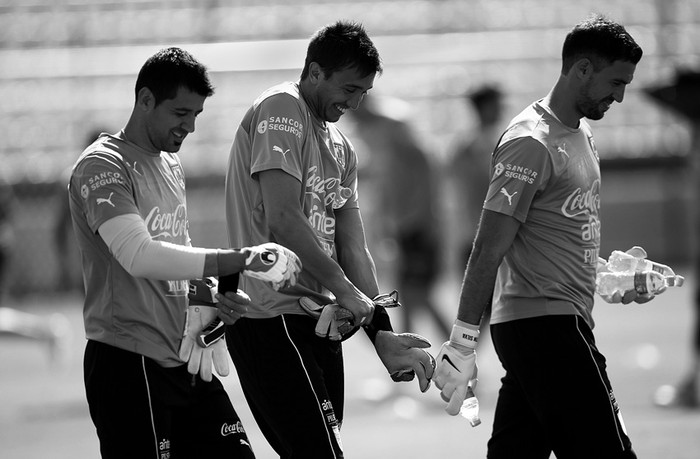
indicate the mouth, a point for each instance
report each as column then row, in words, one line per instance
column 340, row 108
column 179, row 136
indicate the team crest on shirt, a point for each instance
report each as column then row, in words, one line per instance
column 179, row 175
column 593, row 148
column 339, row 154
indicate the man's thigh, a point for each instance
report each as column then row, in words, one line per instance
column 558, row 372
column 293, row 383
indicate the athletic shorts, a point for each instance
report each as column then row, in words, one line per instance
column 555, row 395
column 142, row 410
column 293, row 382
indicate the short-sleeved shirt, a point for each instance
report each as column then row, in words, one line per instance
column 114, row 177
column 280, row 132
column 547, row 176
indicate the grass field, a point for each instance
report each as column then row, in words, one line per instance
column 43, row 411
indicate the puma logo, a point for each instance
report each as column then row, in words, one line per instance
column 283, row 152
column 107, row 200
column 509, row 196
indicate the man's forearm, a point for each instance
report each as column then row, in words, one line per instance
column 293, row 232
column 477, row 288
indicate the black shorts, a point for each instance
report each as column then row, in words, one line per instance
column 142, row 410
column 555, row 395
column 293, row 382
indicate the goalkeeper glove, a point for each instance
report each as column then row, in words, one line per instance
column 201, row 355
column 456, row 365
column 329, row 318
column 272, row 263
column 337, row 323
column 404, row 356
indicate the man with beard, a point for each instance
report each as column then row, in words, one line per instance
column 536, row 257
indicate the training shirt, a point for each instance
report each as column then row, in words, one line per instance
column 280, row 132
column 547, row 176
column 114, row 177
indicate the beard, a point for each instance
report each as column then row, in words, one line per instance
column 593, row 109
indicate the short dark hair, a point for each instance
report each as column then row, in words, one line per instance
column 342, row 45
column 169, row 69
column 601, row 40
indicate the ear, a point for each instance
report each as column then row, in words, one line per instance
column 145, row 99
column 315, row 72
column 584, row 68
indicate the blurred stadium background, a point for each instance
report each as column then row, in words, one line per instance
column 68, row 69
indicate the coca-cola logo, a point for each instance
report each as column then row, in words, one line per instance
column 582, row 202
column 167, row 224
column 231, row 429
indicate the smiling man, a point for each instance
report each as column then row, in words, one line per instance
column 292, row 179
column 535, row 259
column 127, row 203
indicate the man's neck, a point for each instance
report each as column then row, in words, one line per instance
column 562, row 107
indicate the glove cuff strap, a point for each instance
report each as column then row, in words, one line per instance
column 465, row 334
column 380, row 322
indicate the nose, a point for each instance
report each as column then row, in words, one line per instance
column 188, row 123
column 619, row 94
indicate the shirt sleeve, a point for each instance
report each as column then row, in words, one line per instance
column 520, row 169
column 140, row 255
column 278, row 136
column 105, row 187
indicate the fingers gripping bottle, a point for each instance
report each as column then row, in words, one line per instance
column 608, row 284
column 470, row 408
column 634, row 260
column 625, row 271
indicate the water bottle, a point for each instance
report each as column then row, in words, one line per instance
column 624, row 262
column 607, row 284
column 470, row 408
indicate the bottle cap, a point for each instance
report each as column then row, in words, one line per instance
column 675, row 281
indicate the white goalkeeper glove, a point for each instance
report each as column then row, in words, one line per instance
column 199, row 315
column 329, row 318
column 456, row 366
column 272, row 263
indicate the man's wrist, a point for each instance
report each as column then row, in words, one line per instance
column 380, row 322
column 464, row 334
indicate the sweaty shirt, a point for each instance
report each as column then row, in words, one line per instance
column 279, row 132
column 547, row 176
column 114, row 177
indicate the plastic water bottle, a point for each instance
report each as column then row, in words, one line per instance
column 608, row 284
column 623, row 262
column 470, row 408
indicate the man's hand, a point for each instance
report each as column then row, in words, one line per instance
column 272, row 263
column 456, row 365
column 404, row 358
column 232, row 305
column 200, row 359
column 361, row 307
column 636, row 254
column 338, row 323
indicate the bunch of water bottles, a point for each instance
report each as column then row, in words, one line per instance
column 631, row 270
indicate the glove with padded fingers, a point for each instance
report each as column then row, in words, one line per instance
column 201, row 314
column 272, row 263
column 456, row 367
